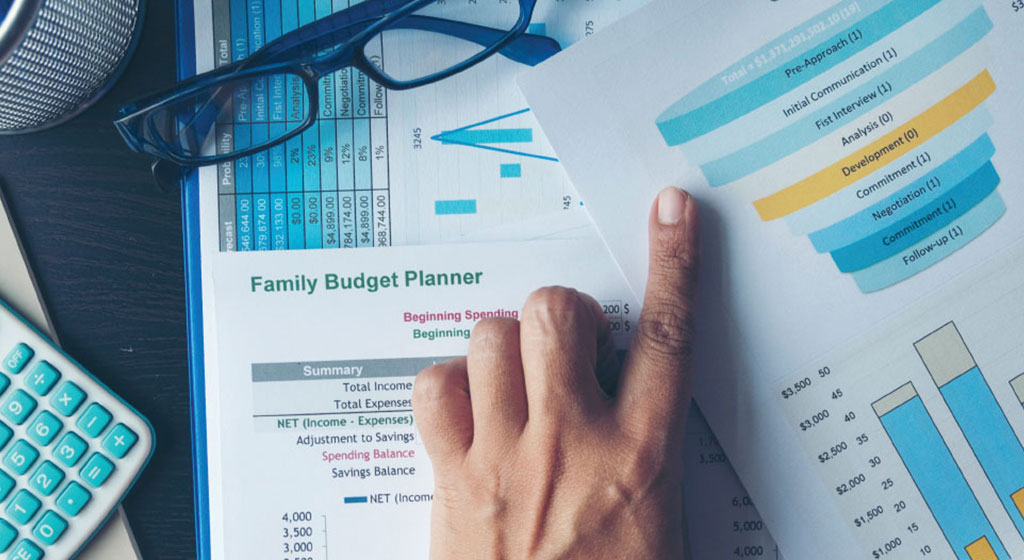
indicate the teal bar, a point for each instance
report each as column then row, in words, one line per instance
column 805, row 132
column 768, row 58
column 356, row 499
column 920, row 224
column 729, row 107
column 497, row 136
column 990, row 435
column 933, row 249
column 511, row 171
column 454, row 207
column 938, row 478
column 907, row 200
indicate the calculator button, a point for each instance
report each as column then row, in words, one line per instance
column 5, row 434
column 7, row 535
column 18, row 358
column 68, row 398
column 96, row 470
column 44, row 428
column 73, row 498
column 94, row 420
column 46, row 478
column 18, row 406
column 5, row 382
column 119, row 441
column 42, row 378
column 23, row 507
column 6, row 485
column 70, row 449
column 26, row 550
column 20, row 457
column 49, row 528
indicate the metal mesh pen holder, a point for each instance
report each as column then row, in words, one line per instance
column 59, row 56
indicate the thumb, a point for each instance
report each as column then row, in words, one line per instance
column 657, row 377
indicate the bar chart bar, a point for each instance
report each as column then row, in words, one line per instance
column 1018, row 387
column 454, row 207
column 981, row 549
column 937, row 476
column 981, row 419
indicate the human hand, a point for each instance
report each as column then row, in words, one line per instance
column 532, row 459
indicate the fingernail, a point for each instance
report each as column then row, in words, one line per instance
column 671, row 206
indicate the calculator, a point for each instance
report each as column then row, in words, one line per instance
column 69, row 447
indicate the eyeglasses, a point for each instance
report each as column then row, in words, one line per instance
column 424, row 41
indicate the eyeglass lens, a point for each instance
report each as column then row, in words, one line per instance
column 233, row 116
column 416, row 48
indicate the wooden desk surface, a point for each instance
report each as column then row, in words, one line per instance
column 105, row 245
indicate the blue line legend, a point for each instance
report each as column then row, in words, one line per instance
column 454, row 207
column 356, row 499
column 511, row 171
column 978, row 414
column 935, row 473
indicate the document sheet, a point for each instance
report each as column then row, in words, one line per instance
column 858, row 169
column 314, row 328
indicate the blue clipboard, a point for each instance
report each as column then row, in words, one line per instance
column 186, row 52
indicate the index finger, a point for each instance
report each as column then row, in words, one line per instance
column 657, row 378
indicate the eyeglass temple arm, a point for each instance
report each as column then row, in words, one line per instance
column 341, row 26
column 524, row 49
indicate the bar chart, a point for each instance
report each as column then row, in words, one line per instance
column 937, row 475
column 894, row 94
column 978, row 414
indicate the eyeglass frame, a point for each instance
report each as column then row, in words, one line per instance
column 348, row 52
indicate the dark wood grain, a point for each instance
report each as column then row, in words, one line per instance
column 105, row 245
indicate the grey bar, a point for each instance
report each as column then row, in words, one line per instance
column 225, row 132
column 945, row 354
column 342, row 369
column 893, row 400
column 1018, row 387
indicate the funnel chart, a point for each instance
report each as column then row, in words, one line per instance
column 868, row 126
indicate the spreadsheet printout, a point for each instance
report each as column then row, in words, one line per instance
column 381, row 168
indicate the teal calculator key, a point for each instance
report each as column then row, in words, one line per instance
column 23, row 507
column 68, row 398
column 42, row 378
column 44, row 428
column 46, row 478
column 70, row 448
column 6, row 485
column 20, row 457
column 94, row 420
column 18, row 358
column 73, row 498
column 26, row 550
column 5, row 382
column 96, row 470
column 49, row 528
column 120, row 441
column 18, row 406
column 7, row 535
column 5, row 434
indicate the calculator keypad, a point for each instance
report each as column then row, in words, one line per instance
column 18, row 406
column 68, row 398
column 69, row 449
